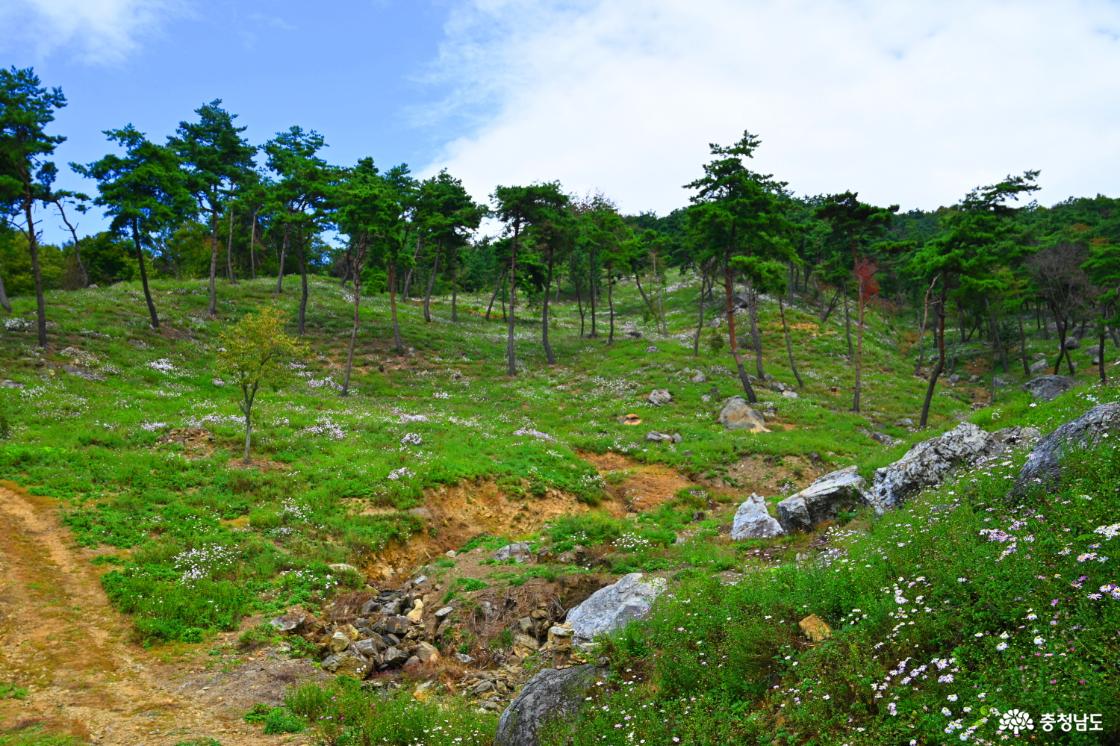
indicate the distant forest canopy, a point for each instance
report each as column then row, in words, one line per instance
column 207, row 203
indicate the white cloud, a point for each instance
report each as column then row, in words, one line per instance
column 913, row 103
column 96, row 31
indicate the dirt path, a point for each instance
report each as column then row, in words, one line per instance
column 60, row 638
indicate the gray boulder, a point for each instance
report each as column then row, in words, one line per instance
column 612, row 606
column 1039, row 366
column 928, row 463
column 518, row 552
column 551, row 694
column 1045, row 388
column 657, row 397
column 753, row 521
column 738, row 415
column 1044, row 461
column 823, row 500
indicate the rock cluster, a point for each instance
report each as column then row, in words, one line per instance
column 1045, row 388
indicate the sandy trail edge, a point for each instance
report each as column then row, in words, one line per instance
column 60, row 637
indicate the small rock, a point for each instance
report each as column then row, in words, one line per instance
column 290, row 622
column 347, row 662
column 657, row 397
column 524, row 645
column 427, row 653
column 815, row 628
column 417, row 613
column 443, row 612
column 631, row 419
column 790, row 394
column 393, row 656
column 463, row 658
column 1046, row 388
column 738, row 415
column 518, row 552
column 343, row 567
column 339, row 642
column 753, row 521
column 698, row 377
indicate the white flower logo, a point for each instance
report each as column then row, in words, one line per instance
column 1016, row 720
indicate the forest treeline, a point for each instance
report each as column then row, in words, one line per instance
column 995, row 266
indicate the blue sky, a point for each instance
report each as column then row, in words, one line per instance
column 913, row 103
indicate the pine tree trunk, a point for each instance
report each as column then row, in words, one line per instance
column 756, row 338
column 579, row 307
column 592, row 293
column 430, row 285
column 36, row 273
column 398, row 347
column 511, row 354
column 847, row 327
column 1023, row 347
column 283, row 254
column 303, row 283
column 494, row 296
column 648, row 301
column 144, row 276
column 939, row 334
column 4, row 302
column 789, row 344
column 213, row 307
column 253, row 247
column 408, row 275
column 551, row 358
column 700, row 320
column 455, row 288
column 729, row 298
column 354, row 326
column 610, row 304
column 830, row 307
column 861, row 304
column 229, row 251
column 1100, row 355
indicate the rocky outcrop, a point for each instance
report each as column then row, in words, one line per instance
column 552, row 693
column 823, row 500
column 1045, row 388
column 738, row 415
column 611, row 607
column 753, row 521
column 930, row 462
column 1044, row 462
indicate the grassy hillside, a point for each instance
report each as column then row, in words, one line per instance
column 136, row 433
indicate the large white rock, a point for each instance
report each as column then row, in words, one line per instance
column 753, row 521
column 613, row 606
column 929, row 463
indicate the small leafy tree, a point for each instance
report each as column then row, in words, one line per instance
column 254, row 352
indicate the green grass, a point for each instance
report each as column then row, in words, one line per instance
column 927, row 613
column 204, row 542
column 9, row 690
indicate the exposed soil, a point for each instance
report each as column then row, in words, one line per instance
column 771, row 475
column 60, row 638
column 457, row 513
